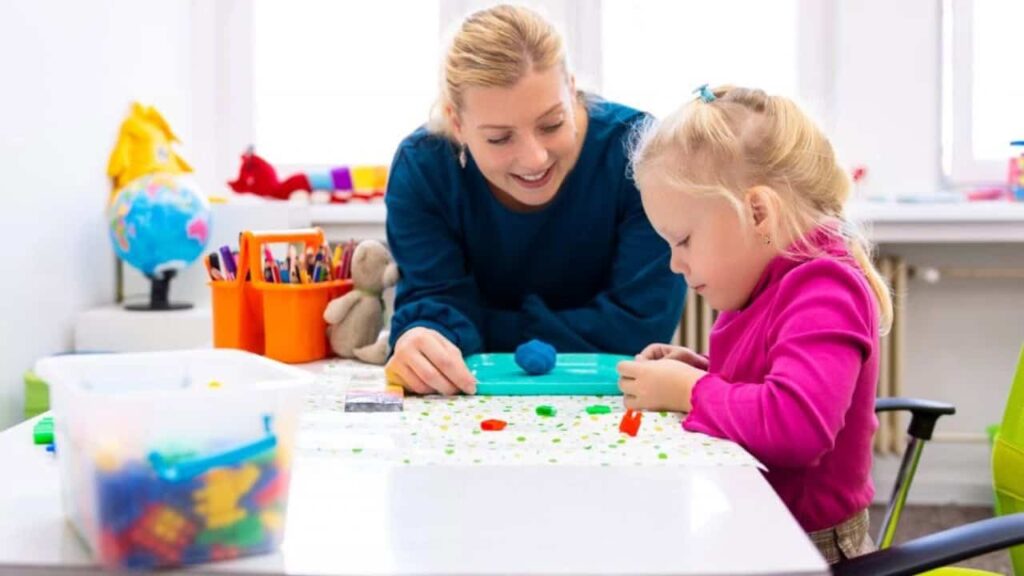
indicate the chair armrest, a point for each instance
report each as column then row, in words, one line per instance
column 939, row 549
column 923, row 413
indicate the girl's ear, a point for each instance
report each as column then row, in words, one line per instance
column 454, row 122
column 762, row 202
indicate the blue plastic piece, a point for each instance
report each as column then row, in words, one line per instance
column 536, row 357
column 320, row 180
column 188, row 469
column 573, row 375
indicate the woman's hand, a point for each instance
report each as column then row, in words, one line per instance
column 662, row 384
column 425, row 362
column 669, row 352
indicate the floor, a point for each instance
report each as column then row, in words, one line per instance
column 921, row 520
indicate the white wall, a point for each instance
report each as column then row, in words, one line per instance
column 67, row 75
column 963, row 335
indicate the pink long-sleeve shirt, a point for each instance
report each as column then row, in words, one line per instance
column 792, row 379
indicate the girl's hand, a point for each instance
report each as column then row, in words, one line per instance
column 425, row 362
column 663, row 384
column 669, row 352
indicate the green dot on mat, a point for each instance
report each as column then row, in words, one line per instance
column 598, row 409
column 357, row 450
column 622, row 440
column 449, row 451
column 546, row 410
column 662, row 413
column 662, row 456
column 521, row 439
column 556, row 440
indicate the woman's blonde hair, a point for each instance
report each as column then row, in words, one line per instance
column 495, row 47
column 743, row 138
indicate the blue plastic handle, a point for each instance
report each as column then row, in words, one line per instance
column 188, row 469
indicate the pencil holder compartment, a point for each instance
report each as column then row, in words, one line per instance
column 237, row 315
column 282, row 321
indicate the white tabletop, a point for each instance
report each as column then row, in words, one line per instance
column 352, row 517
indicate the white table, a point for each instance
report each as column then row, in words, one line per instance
column 348, row 517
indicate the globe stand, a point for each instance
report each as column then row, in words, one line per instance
column 159, row 287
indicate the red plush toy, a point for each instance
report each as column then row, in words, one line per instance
column 257, row 176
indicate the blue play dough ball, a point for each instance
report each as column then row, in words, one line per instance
column 536, row 357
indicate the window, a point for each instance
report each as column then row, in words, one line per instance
column 983, row 89
column 655, row 52
column 341, row 83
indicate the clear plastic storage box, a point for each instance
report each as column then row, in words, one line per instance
column 173, row 458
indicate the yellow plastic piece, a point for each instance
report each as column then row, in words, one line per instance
column 217, row 502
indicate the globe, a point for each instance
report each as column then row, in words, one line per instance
column 159, row 224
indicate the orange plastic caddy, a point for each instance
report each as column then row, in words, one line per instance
column 281, row 321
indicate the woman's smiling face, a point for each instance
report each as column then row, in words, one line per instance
column 526, row 138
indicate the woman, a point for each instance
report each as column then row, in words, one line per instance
column 512, row 217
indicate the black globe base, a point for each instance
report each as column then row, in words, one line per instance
column 158, row 292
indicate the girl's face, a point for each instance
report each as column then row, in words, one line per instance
column 721, row 253
column 526, row 138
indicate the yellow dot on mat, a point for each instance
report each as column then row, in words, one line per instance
column 214, row 384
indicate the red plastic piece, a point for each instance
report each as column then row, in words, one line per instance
column 493, row 425
column 630, row 423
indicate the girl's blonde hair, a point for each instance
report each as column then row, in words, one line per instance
column 495, row 47
column 744, row 138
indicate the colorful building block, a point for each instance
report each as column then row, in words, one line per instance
column 493, row 425
column 630, row 423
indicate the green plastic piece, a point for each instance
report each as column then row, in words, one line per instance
column 598, row 409
column 246, row 533
column 37, row 395
column 42, row 432
column 546, row 410
column 573, row 375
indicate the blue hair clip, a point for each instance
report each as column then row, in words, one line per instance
column 705, row 94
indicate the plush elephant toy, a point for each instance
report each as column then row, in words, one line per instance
column 355, row 320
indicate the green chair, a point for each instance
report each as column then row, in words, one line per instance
column 1008, row 459
column 937, row 551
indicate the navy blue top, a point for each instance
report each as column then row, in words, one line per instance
column 585, row 273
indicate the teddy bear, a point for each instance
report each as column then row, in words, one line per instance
column 355, row 320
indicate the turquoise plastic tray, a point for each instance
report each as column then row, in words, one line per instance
column 573, row 375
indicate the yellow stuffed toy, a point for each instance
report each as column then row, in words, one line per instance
column 143, row 147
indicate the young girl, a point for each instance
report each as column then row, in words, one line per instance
column 748, row 194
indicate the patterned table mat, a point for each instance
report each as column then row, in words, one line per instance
column 436, row 430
